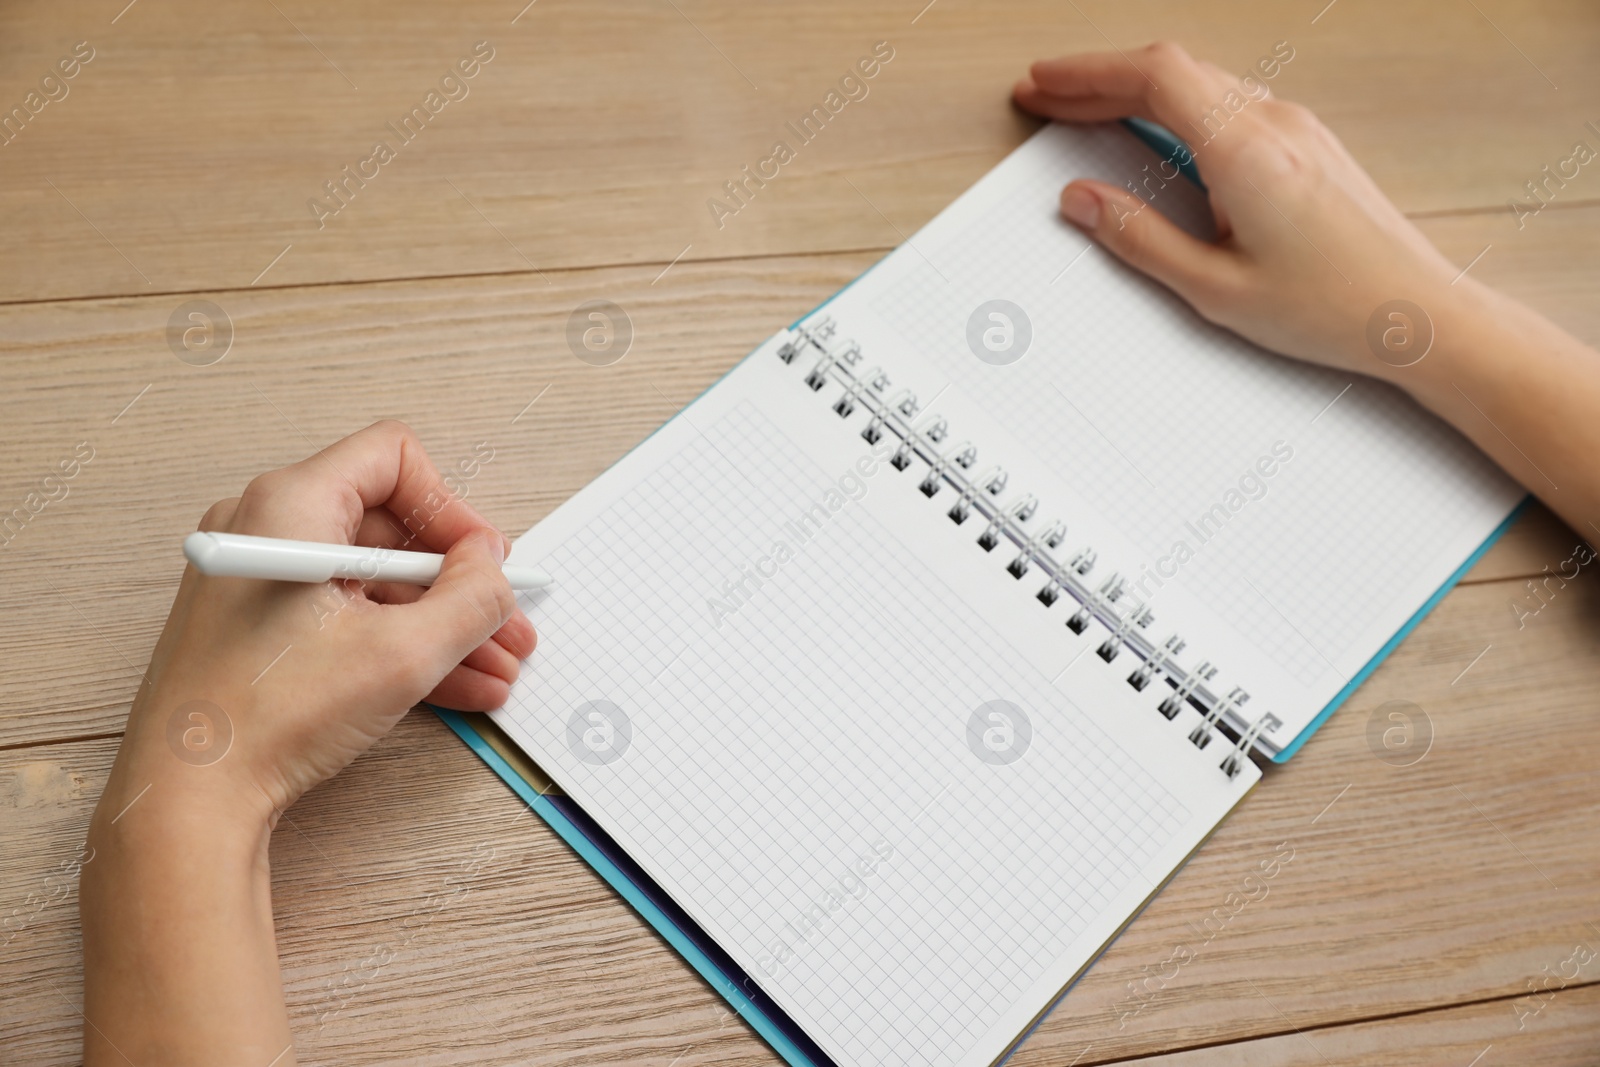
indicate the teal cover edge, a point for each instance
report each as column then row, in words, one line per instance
column 729, row 990
column 1169, row 146
column 1162, row 142
column 1400, row 634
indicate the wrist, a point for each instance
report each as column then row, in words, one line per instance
column 190, row 738
column 1427, row 348
column 168, row 791
column 150, row 816
column 175, row 902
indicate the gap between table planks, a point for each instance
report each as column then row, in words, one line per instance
column 1405, row 902
column 185, row 154
column 1453, row 881
column 1391, row 892
column 461, row 359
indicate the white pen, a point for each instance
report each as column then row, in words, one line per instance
column 244, row 556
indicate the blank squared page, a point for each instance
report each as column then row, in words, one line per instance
column 796, row 771
column 1153, row 415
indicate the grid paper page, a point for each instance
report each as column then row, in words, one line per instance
column 797, row 773
column 1155, row 415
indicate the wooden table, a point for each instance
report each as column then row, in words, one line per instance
column 1425, row 904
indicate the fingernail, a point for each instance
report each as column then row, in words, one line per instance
column 1081, row 207
column 497, row 546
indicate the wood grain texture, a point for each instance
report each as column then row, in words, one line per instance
column 1479, row 1035
column 459, row 358
column 1537, row 540
column 1450, row 881
column 185, row 152
column 424, row 914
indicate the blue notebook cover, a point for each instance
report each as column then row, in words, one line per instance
column 597, row 848
column 743, row 995
column 585, row 837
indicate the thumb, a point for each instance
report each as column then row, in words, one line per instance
column 1142, row 237
column 466, row 605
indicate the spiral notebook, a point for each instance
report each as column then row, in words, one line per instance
column 905, row 664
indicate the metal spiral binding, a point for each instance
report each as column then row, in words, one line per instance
column 1005, row 522
column 1050, row 538
column 1189, row 685
column 1127, row 626
column 1147, row 670
column 875, row 379
column 1110, row 590
column 1235, row 760
column 1137, row 615
column 963, row 456
column 1201, row 734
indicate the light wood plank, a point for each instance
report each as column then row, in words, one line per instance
column 1538, row 540
column 1415, row 886
column 453, row 927
column 1552, row 263
column 1562, row 1034
column 182, row 161
column 1409, row 888
column 185, row 154
column 460, row 359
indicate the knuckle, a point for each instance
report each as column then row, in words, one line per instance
column 263, row 487
column 505, row 601
column 1214, row 293
column 1133, row 236
column 218, row 514
column 1298, row 113
column 1167, row 54
column 1225, row 153
column 394, row 429
column 1275, row 162
column 1289, row 115
column 270, row 503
